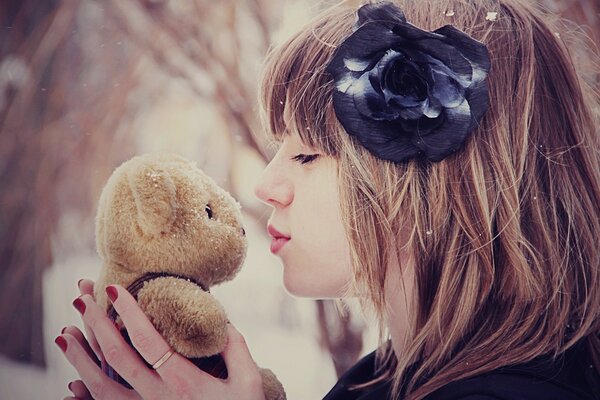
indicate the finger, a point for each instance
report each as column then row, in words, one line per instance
column 117, row 353
column 98, row 384
column 79, row 390
column 78, row 335
column 237, row 356
column 148, row 342
column 86, row 286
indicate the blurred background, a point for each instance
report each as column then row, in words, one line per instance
column 86, row 85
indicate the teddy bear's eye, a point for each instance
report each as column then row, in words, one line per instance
column 209, row 212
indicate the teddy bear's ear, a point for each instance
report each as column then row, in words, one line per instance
column 154, row 193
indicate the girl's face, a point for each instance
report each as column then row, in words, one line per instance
column 302, row 187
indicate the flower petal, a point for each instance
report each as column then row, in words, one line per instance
column 384, row 12
column 408, row 34
column 473, row 50
column 432, row 108
column 361, row 48
column 449, row 136
column 397, row 150
column 403, row 101
column 344, row 82
column 356, row 65
column 377, row 73
column 422, row 126
column 369, row 102
column 446, row 90
column 478, row 102
column 449, row 55
column 412, row 112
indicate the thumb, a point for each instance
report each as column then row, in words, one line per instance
column 236, row 354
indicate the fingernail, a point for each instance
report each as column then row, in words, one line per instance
column 63, row 330
column 79, row 305
column 79, row 282
column 112, row 293
column 61, row 342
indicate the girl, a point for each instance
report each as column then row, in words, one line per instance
column 439, row 161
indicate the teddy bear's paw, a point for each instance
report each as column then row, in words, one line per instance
column 200, row 341
column 191, row 320
column 271, row 386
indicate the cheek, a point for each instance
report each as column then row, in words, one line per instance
column 318, row 263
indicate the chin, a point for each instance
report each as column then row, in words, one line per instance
column 295, row 287
column 312, row 286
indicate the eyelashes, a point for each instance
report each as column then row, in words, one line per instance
column 305, row 158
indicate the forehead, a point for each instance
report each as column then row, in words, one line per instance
column 302, row 129
column 291, row 140
column 287, row 113
column 294, row 131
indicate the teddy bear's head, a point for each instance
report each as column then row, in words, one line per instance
column 160, row 213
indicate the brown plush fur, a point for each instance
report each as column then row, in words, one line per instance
column 160, row 213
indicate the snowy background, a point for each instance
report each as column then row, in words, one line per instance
column 280, row 330
column 85, row 85
column 88, row 84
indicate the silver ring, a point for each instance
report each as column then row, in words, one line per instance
column 163, row 359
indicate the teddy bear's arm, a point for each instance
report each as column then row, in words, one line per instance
column 190, row 319
column 271, row 386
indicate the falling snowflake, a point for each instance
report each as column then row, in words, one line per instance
column 491, row 16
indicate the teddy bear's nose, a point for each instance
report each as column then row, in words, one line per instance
column 243, row 232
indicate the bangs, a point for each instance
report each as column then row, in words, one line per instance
column 296, row 92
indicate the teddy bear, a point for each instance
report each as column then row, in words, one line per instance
column 168, row 233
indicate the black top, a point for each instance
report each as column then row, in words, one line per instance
column 570, row 377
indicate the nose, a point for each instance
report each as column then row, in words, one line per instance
column 274, row 186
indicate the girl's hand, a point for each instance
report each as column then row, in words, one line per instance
column 175, row 378
column 86, row 286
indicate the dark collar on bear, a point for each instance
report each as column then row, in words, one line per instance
column 138, row 284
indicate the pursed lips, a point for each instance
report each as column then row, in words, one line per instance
column 278, row 239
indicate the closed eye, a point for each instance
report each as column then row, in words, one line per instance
column 305, row 158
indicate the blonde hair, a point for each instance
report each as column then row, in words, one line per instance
column 504, row 232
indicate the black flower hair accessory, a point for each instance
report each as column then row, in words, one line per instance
column 404, row 92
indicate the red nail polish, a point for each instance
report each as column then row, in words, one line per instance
column 79, row 305
column 63, row 330
column 61, row 342
column 112, row 293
